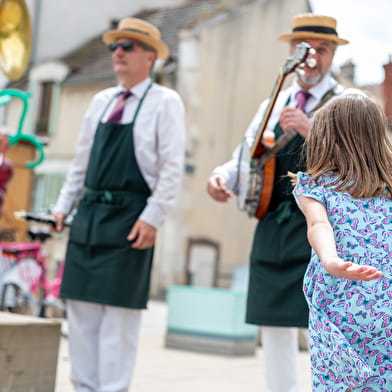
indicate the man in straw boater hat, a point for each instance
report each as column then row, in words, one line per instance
column 126, row 172
column 280, row 251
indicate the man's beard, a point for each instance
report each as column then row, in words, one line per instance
column 310, row 80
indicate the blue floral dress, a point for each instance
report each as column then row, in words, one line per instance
column 350, row 322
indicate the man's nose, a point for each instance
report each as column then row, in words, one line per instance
column 119, row 51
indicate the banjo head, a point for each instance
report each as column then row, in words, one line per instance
column 249, row 179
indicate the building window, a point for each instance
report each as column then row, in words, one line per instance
column 46, row 190
column 44, row 109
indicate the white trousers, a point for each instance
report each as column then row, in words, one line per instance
column 280, row 348
column 103, row 343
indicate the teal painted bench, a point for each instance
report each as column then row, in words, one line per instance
column 209, row 320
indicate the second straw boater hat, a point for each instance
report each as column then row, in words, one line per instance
column 307, row 26
column 141, row 31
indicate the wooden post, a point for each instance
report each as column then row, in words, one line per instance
column 19, row 190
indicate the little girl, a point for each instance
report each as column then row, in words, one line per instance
column 346, row 197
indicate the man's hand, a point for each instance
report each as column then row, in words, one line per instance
column 143, row 234
column 296, row 119
column 337, row 267
column 59, row 217
column 217, row 188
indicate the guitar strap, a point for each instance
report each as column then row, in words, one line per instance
column 337, row 90
column 289, row 135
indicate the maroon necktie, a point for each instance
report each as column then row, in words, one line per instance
column 301, row 97
column 116, row 115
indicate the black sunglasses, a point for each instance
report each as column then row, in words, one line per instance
column 125, row 46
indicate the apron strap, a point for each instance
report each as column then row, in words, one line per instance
column 109, row 196
column 108, row 105
column 141, row 101
column 138, row 106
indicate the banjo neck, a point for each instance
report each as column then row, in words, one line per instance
column 256, row 164
column 257, row 147
column 291, row 64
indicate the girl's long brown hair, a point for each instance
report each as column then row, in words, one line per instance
column 349, row 137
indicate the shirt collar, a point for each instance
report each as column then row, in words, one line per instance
column 137, row 90
column 318, row 90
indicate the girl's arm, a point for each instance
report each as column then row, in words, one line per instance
column 321, row 238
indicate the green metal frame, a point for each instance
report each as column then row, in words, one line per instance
column 5, row 97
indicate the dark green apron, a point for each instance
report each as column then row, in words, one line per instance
column 100, row 265
column 280, row 251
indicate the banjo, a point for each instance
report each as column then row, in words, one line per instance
column 256, row 162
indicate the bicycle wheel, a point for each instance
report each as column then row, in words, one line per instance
column 14, row 300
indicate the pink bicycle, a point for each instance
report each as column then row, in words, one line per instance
column 25, row 287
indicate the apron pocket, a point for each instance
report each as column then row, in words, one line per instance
column 105, row 224
column 281, row 245
column 80, row 224
column 111, row 224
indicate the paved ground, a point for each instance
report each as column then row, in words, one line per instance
column 163, row 370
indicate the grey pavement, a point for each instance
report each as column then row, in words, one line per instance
column 166, row 370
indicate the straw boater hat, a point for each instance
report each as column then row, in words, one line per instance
column 307, row 26
column 140, row 31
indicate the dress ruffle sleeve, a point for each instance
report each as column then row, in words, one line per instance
column 308, row 187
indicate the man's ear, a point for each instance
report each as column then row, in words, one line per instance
column 153, row 57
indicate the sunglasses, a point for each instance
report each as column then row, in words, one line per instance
column 125, row 46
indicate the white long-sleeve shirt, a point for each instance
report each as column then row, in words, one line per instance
column 159, row 139
column 229, row 170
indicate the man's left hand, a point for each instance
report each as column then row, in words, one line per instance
column 296, row 119
column 143, row 234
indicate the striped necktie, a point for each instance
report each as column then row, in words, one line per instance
column 301, row 97
column 117, row 112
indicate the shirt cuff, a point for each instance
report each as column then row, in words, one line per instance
column 230, row 179
column 153, row 215
column 63, row 206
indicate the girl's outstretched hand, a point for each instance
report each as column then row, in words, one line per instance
column 341, row 269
